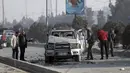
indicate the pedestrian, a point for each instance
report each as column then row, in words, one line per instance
column 111, row 37
column 22, row 45
column 103, row 37
column 3, row 40
column 90, row 39
column 14, row 45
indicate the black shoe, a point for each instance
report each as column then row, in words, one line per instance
column 23, row 59
column 101, row 58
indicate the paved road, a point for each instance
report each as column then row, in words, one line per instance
column 32, row 53
column 113, row 65
column 8, row 69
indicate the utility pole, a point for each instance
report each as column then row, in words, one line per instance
column 47, row 20
column 3, row 12
column 26, row 9
column 51, row 9
column 47, row 13
column 56, row 7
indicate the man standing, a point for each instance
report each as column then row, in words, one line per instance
column 103, row 37
column 3, row 40
column 90, row 39
column 22, row 44
column 14, row 45
column 111, row 37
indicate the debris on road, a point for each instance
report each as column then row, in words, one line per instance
column 122, row 69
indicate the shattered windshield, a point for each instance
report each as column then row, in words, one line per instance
column 67, row 34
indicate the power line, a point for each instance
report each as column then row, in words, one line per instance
column 47, row 20
column 47, row 12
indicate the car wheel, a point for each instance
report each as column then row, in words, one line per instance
column 46, row 59
column 49, row 59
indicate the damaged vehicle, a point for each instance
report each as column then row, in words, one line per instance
column 64, row 44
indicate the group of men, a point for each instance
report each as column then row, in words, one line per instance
column 18, row 40
column 106, row 41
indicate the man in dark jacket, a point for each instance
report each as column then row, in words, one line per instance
column 103, row 37
column 22, row 44
column 90, row 39
column 111, row 37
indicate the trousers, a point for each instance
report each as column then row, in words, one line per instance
column 22, row 52
column 103, row 45
column 15, row 53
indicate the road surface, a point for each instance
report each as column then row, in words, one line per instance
column 112, row 65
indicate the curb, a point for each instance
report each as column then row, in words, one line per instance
column 29, row 67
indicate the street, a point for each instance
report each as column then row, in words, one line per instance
column 112, row 65
column 32, row 53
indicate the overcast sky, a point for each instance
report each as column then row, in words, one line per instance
column 15, row 9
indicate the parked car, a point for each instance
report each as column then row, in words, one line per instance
column 6, row 37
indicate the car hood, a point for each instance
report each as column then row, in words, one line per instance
column 54, row 39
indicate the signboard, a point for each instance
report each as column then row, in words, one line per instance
column 74, row 6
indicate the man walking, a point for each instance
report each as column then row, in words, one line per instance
column 14, row 45
column 103, row 37
column 22, row 44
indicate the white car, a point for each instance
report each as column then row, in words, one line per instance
column 64, row 44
